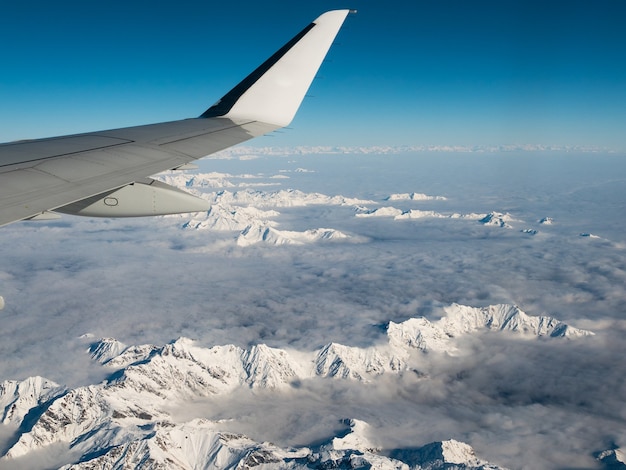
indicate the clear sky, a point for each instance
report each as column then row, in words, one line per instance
column 403, row 73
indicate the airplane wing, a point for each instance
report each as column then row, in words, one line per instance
column 106, row 173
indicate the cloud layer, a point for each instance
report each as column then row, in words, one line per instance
column 152, row 281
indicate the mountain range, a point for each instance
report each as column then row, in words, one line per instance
column 253, row 212
column 127, row 420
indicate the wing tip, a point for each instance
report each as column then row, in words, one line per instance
column 272, row 93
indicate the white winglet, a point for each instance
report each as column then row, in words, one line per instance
column 274, row 91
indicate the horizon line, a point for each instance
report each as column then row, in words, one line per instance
column 248, row 150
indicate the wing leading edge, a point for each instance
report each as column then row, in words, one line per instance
column 69, row 172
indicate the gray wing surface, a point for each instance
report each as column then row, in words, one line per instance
column 47, row 174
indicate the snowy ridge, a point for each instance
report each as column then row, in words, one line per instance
column 201, row 181
column 281, row 198
column 414, row 197
column 450, row 454
column 258, row 233
column 345, row 362
column 399, row 214
column 106, row 349
column 613, row 458
column 357, row 438
column 252, row 212
column 241, row 211
column 198, row 444
column 461, row 319
column 17, row 398
column 126, row 418
column 267, row 367
column 418, row 333
column 497, row 219
column 229, row 218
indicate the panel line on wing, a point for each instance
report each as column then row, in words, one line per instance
column 206, row 132
column 22, row 152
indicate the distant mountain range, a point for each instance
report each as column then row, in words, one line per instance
column 252, row 212
column 248, row 152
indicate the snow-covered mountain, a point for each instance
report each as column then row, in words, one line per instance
column 461, row 319
column 253, row 212
column 613, row 459
column 17, row 398
column 399, row 214
column 198, row 444
column 414, row 197
column 125, row 421
column 281, row 198
column 497, row 219
column 225, row 218
column 449, row 454
column 257, row 233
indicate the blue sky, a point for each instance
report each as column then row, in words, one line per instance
column 403, row 73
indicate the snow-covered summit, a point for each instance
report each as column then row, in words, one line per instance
column 414, row 197
column 462, row 319
column 18, row 398
column 357, row 437
column 399, row 214
column 223, row 217
column 106, row 349
column 449, row 455
column 423, row 334
column 497, row 219
column 200, row 444
column 259, row 233
column 281, row 198
column 252, row 213
column 613, row 459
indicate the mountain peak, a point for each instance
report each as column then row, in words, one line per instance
column 17, row 398
column 443, row 455
column 106, row 349
column 356, row 438
column 497, row 219
column 461, row 319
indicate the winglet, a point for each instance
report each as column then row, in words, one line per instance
column 274, row 91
